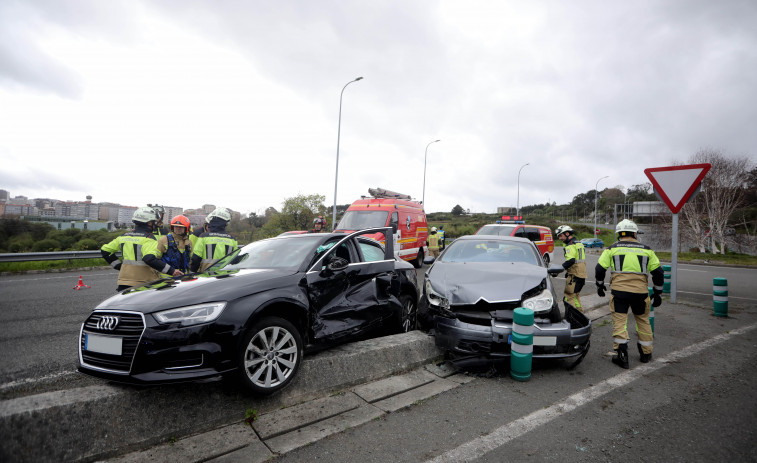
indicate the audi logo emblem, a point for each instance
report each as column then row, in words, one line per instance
column 107, row 322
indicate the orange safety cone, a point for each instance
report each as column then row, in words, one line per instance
column 81, row 285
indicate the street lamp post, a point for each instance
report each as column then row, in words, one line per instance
column 517, row 202
column 423, row 201
column 338, row 136
column 596, row 193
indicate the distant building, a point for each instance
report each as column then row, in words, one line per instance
column 4, row 195
column 507, row 210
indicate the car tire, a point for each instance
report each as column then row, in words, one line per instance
column 408, row 316
column 418, row 262
column 545, row 258
column 270, row 355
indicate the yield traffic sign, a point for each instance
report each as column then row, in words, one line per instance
column 676, row 184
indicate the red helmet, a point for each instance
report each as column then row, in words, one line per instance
column 180, row 221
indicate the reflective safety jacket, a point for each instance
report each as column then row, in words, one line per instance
column 133, row 270
column 210, row 247
column 441, row 236
column 575, row 258
column 433, row 241
column 170, row 252
column 629, row 262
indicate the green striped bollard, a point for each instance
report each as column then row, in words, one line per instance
column 651, row 309
column 720, row 297
column 666, row 284
column 522, row 345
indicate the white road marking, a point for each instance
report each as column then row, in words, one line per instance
column 25, row 381
column 71, row 275
column 478, row 447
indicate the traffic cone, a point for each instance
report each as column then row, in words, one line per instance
column 81, row 285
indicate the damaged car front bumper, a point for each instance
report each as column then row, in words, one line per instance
column 491, row 338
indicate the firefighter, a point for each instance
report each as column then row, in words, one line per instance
column 173, row 250
column 159, row 229
column 433, row 243
column 319, row 225
column 215, row 242
column 574, row 265
column 629, row 262
column 132, row 270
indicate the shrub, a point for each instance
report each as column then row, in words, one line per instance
column 46, row 245
column 87, row 244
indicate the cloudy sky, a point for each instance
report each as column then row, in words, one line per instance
column 236, row 103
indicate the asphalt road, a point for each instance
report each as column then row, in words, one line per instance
column 41, row 313
column 694, row 402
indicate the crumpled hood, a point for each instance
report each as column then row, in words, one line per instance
column 466, row 283
column 206, row 287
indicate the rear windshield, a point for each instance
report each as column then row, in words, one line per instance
column 484, row 250
column 358, row 220
column 502, row 230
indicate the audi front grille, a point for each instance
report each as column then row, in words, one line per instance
column 128, row 327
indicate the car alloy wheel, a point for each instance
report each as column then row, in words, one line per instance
column 271, row 355
column 409, row 313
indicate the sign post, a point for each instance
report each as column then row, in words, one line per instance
column 675, row 185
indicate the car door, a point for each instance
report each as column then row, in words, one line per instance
column 350, row 297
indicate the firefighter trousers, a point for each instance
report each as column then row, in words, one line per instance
column 573, row 286
column 640, row 308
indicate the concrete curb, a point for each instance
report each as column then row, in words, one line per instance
column 102, row 421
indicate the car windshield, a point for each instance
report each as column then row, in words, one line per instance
column 358, row 220
column 496, row 230
column 287, row 252
column 489, row 251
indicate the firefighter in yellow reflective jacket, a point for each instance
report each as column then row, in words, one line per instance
column 629, row 262
column 215, row 242
column 433, row 243
column 574, row 265
column 133, row 271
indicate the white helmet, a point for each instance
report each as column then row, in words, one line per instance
column 220, row 212
column 433, row 229
column 144, row 215
column 626, row 225
column 562, row 229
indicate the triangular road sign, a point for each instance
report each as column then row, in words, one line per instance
column 675, row 184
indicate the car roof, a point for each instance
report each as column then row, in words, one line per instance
column 516, row 239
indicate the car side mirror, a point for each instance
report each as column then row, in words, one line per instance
column 337, row 264
column 555, row 270
column 429, row 260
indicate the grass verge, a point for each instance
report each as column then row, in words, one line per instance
column 17, row 267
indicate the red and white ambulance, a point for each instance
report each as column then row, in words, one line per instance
column 399, row 211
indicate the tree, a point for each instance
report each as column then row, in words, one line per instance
column 458, row 210
column 723, row 190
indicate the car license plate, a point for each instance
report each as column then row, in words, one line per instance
column 545, row 340
column 102, row 344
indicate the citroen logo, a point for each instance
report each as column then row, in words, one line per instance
column 107, row 322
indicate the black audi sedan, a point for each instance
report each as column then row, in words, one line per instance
column 254, row 313
column 470, row 293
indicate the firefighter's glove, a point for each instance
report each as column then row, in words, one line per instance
column 656, row 300
column 117, row 266
column 601, row 288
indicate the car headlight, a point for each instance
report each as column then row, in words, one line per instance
column 191, row 315
column 540, row 303
column 434, row 298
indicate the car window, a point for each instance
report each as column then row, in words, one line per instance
column 358, row 220
column 287, row 252
column 489, row 251
column 372, row 252
column 533, row 234
column 520, row 232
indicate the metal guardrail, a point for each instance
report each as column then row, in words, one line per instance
column 59, row 255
